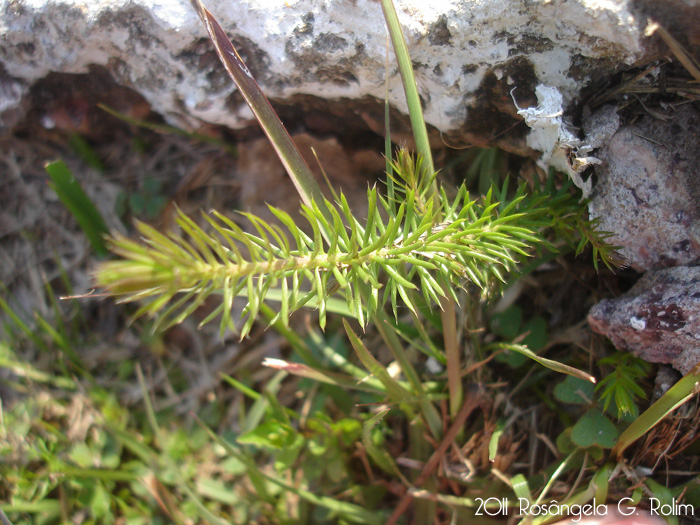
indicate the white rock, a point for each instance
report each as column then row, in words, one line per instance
column 333, row 49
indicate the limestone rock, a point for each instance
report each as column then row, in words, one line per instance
column 658, row 319
column 648, row 190
column 468, row 55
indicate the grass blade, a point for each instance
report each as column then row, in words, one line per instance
column 74, row 198
column 415, row 110
column 395, row 390
column 548, row 363
column 350, row 511
column 331, row 378
column 287, row 151
column 169, row 130
column 677, row 395
column 379, row 455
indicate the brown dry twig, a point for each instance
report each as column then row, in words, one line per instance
column 472, row 401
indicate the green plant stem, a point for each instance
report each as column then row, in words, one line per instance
column 295, row 164
column 45, row 508
column 388, row 155
column 297, row 343
column 454, row 375
column 424, row 509
column 420, row 132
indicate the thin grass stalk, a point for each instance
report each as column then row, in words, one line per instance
column 18, row 322
column 297, row 342
column 423, row 509
column 420, row 134
column 387, row 127
column 165, row 129
column 415, row 110
column 452, row 355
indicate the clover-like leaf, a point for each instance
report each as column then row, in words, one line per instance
column 594, row 429
column 575, row 391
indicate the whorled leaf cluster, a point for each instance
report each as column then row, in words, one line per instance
column 411, row 240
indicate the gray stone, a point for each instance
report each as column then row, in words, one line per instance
column 648, row 189
column 468, row 56
column 657, row 320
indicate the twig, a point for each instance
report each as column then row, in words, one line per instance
column 676, row 48
column 472, row 401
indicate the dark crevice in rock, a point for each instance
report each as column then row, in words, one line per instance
column 346, row 120
column 439, row 34
column 69, row 102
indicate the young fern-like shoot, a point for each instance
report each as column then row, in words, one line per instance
column 413, row 244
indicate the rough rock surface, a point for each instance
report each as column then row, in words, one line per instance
column 648, row 190
column 263, row 179
column 658, row 319
column 468, row 55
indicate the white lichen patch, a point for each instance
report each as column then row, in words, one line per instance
column 638, row 323
column 560, row 147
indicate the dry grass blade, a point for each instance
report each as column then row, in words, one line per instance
column 676, row 48
column 670, row 437
column 628, row 86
